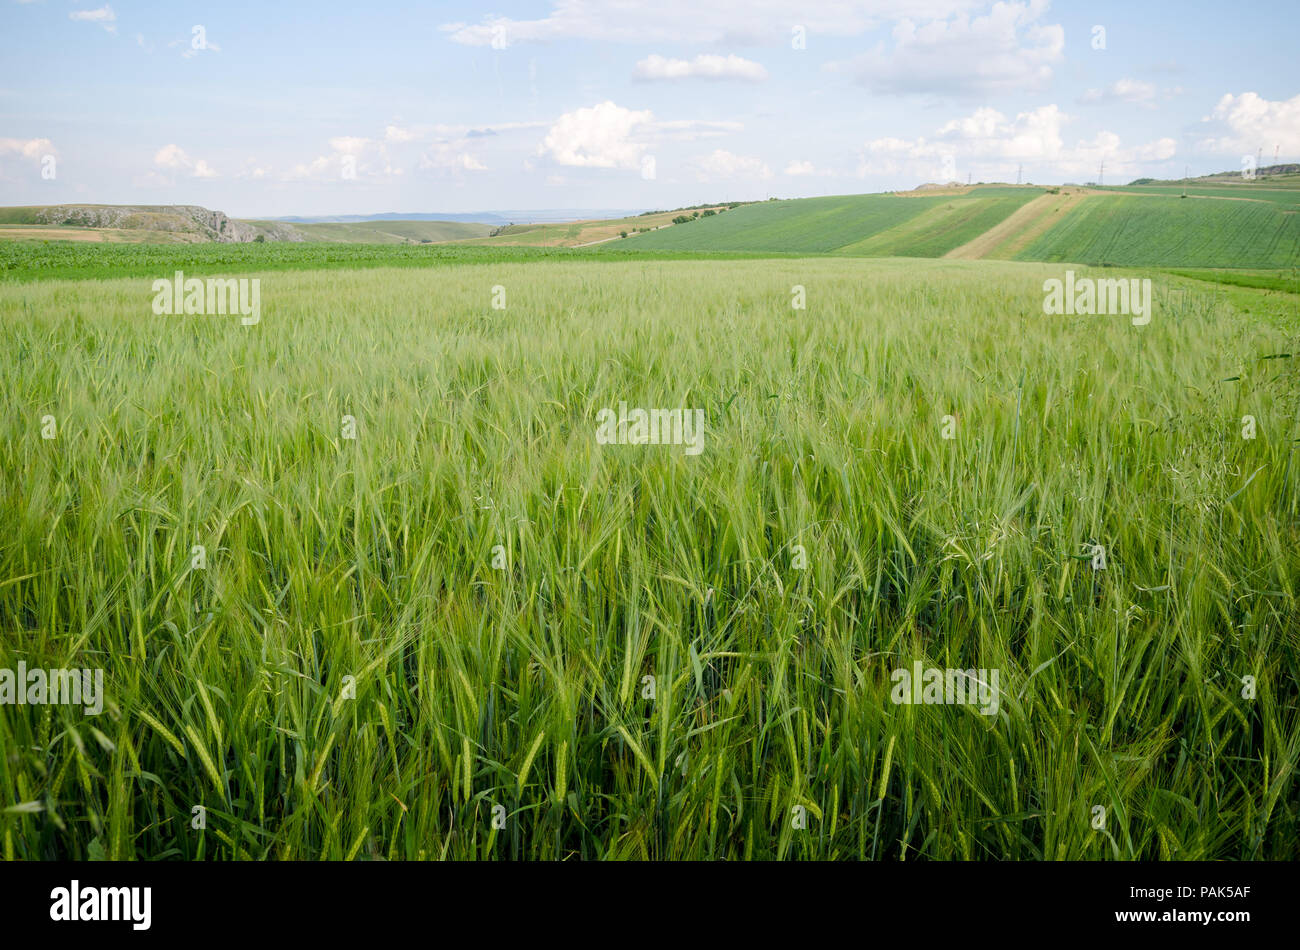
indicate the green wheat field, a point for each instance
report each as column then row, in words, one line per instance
column 474, row 632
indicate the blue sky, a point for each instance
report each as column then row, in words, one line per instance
column 280, row 108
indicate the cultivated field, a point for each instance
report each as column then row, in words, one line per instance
column 474, row 610
column 808, row 225
column 389, row 232
column 1149, row 230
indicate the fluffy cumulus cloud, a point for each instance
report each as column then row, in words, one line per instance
column 173, row 158
column 990, row 142
column 699, row 21
column 1005, row 50
column 1249, row 122
column 608, row 135
column 602, row 136
column 797, row 167
column 34, row 149
column 704, row 66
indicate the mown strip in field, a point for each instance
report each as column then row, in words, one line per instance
column 941, row 228
column 1015, row 232
column 1286, row 282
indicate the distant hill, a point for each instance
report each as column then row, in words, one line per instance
column 389, row 231
column 485, row 217
column 494, row 218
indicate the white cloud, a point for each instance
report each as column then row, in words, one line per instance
column 987, row 140
column 173, row 158
column 724, row 164
column 104, row 16
column 800, row 168
column 704, row 66
column 700, row 21
column 1031, row 135
column 609, row 136
column 33, row 149
column 1005, row 50
column 603, row 136
column 1249, row 122
column 397, row 135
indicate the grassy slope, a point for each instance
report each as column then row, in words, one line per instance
column 1141, row 227
column 1193, row 232
column 48, row 232
column 941, row 228
column 1014, row 232
column 1282, row 195
column 523, row 686
column 20, row 215
column 1288, row 282
column 805, row 225
column 22, row 261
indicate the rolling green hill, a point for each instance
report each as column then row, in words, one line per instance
column 942, row 227
column 1219, row 224
column 1146, row 230
column 804, row 225
column 1227, row 226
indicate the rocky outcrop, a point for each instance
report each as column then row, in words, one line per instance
column 201, row 223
